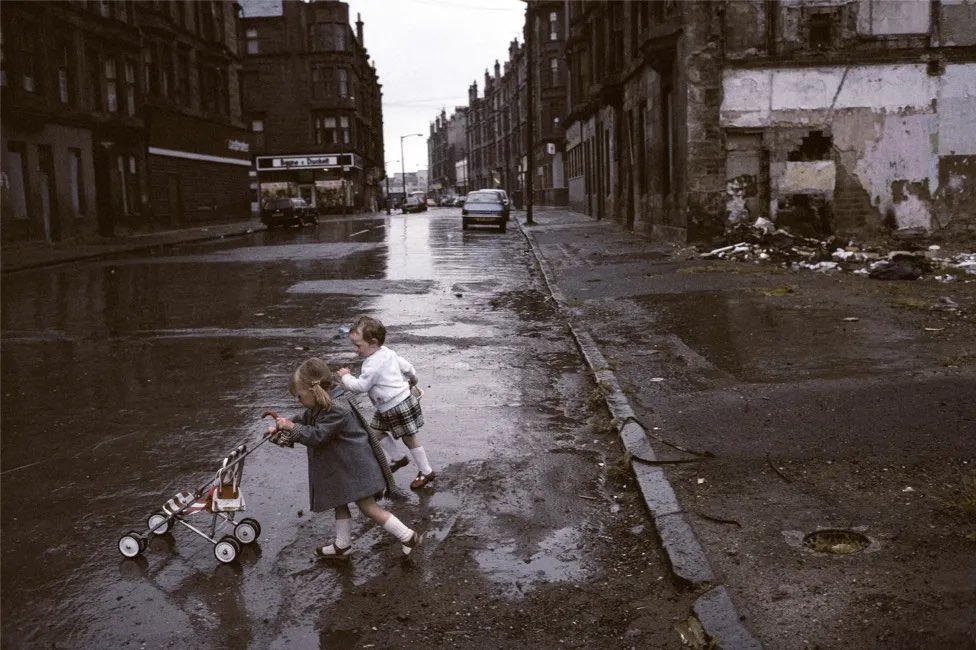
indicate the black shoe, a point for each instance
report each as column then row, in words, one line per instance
column 397, row 464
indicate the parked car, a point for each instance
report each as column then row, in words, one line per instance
column 287, row 211
column 459, row 202
column 484, row 208
column 503, row 197
column 414, row 204
column 422, row 197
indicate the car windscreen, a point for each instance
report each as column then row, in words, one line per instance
column 277, row 204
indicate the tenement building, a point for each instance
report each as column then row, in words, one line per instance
column 446, row 146
column 852, row 117
column 313, row 101
column 119, row 116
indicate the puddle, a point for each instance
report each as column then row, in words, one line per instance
column 832, row 541
column 555, row 561
column 456, row 331
column 836, row 542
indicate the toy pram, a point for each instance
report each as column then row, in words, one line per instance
column 221, row 497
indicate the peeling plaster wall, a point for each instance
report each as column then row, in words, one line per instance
column 890, row 125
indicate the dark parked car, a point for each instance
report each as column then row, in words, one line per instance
column 287, row 211
column 484, row 208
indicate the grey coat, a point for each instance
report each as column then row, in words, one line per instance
column 341, row 464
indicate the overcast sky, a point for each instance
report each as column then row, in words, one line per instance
column 427, row 53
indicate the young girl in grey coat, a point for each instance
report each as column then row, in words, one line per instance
column 342, row 467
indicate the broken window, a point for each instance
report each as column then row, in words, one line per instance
column 816, row 146
column 821, row 31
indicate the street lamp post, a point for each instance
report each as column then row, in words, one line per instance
column 385, row 165
column 403, row 167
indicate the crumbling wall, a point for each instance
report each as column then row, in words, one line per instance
column 891, row 127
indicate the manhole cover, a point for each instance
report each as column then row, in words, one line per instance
column 836, row 542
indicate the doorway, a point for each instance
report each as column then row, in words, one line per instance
column 49, row 205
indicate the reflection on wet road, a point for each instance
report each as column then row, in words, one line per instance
column 125, row 381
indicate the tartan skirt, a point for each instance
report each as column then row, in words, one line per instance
column 404, row 419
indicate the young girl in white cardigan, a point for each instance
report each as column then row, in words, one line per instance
column 388, row 378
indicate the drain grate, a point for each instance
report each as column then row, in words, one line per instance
column 836, row 541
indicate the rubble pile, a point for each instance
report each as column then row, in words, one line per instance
column 762, row 242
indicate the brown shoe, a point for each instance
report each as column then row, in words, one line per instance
column 398, row 464
column 422, row 480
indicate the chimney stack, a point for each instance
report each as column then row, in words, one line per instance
column 359, row 30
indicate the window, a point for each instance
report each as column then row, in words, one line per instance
column 28, row 61
column 344, row 129
column 166, row 67
column 554, row 70
column 65, row 80
column 3, row 62
column 553, row 26
column 321, row 82
column 327, row 37
column 325, row 130
column 183, row 76
column 130, row 87
column 76, row 182
column 111, row 89
column 150, row 71
column 821, row 30
column 343, row 82
column 252, row 43
column 257, row 126
column 94, row 80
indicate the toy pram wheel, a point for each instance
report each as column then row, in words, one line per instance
column 158, row 523
column 132, row 544
column 247, row 531
column 226, row 549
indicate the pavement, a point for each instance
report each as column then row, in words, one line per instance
column 714, row 608
column 26, row 255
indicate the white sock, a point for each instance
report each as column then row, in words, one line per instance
column 389, row 446
column 398, row 529
column 343, row 533
column 420, row 457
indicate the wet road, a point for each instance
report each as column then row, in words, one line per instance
column 127, row 380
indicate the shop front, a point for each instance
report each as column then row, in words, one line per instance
column 332, row 183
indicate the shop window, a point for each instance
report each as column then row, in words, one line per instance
column 76, row 182
column 15, row 181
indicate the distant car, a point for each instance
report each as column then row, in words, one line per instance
column 287, row 211
column 503, row 197
column 459, row 202
column 484, row 208
column 414, row 204
column 422, row 197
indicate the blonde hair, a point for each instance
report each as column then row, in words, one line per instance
column 314, row 376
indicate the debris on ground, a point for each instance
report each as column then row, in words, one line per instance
column 762, row 242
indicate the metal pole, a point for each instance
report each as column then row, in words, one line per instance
column 403, row 173
column 387, row 193
column 530, row 136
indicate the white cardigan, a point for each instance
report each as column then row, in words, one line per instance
column 383, row 378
